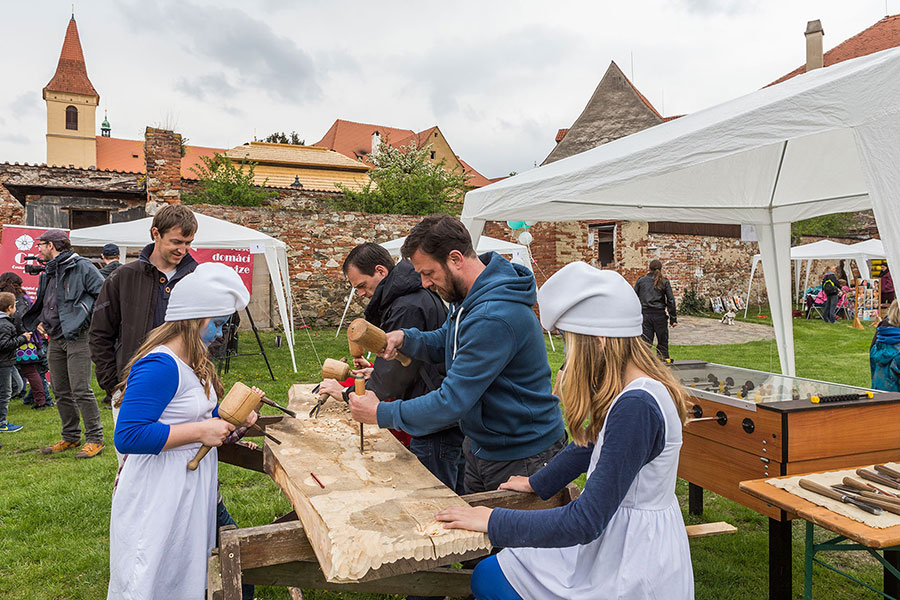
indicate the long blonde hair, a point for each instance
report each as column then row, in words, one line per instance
column 893, row 314
column 197, row 352
column 595, row 375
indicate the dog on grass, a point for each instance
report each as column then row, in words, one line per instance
column 728, row 318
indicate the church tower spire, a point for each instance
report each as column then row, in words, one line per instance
column 71, row 107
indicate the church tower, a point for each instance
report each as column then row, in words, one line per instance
column 71, row 108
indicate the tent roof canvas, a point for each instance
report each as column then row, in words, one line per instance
column 211, row 233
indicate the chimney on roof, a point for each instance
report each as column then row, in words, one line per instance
column 815, row 58
column 376, row 143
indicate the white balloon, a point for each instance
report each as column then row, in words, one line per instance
column 525, row 238
column 531, row 223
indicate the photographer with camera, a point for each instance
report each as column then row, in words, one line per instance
column 67, row 290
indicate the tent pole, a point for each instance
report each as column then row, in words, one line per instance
column 749, row 285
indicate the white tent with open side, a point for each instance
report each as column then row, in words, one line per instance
column 821, row 250
column 823, row 142
column 211, row 233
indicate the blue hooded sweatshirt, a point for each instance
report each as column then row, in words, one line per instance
column 498, row 379
column 884, row 359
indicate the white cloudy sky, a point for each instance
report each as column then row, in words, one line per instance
column 498, row 77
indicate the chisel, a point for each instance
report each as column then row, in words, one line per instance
column 876, row 478
column 888, row 471
column 816, row 488
column 867, row 487
column 359, row 383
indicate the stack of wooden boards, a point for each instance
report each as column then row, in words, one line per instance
column 368, row 515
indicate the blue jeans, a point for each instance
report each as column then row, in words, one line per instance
column 6, row 390
column 489, row 582
column 442, row 455
column 222, row 519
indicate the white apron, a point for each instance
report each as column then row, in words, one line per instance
column 163, row 521
column 642, row 554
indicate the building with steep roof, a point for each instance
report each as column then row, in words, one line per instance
column 615, row 109
column 359, row 140
column 312, row 167
column 71, row 107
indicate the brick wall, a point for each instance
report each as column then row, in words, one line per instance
column 162, row 149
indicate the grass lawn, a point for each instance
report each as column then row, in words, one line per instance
column 54, row 511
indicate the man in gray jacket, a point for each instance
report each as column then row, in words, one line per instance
column 62, row 311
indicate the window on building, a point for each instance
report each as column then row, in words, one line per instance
column 605, row 238
column 71, row 118
column 79, row 218
column 432, row 155
column 435, row 134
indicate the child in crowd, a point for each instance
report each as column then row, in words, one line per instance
column 162, row 525
column 624, row 537
column 884, row 355
column 10, row 339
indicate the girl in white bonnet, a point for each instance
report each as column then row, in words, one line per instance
column 162, row 525
column 624, row 536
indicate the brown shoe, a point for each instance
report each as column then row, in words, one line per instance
column 60, row 446
column 90, row 450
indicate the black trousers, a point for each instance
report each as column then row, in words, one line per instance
column 657, row 323
column 830, row 308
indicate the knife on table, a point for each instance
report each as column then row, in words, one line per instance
column 816, row 488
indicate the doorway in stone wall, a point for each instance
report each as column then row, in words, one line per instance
column 79, row 218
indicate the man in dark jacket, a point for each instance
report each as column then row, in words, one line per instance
column 398, row 300
column 498, row 379
column 832, row 288
column 110, row 256
column 62, row 311
column 655, row 293
column 135, row 296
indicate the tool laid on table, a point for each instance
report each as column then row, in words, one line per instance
column 841, row 397
column 867, row 495
column 888, row 472
column 866, row 487
column 235, row 407
column 876, row 478
column 816, row 488
column 359, row 386
column 371, row 338
column 331, row 369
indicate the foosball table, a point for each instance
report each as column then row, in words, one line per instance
column 746, row 424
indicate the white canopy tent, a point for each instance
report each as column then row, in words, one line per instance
column 869, row 249
column 821, row 250
column 823, row 142
column 211, row 233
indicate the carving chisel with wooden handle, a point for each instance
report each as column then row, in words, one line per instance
column 814, row 487
column 359, row 383
column 888, row 471
column 862, row 486
column 876, row 478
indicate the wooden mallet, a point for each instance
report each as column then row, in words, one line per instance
column 331, row 369
column 237, row 405
column 371, row 338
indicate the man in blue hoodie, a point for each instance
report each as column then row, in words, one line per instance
column 498, row 379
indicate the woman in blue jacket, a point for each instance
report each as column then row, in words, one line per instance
column 884, row 355
column 624, row 537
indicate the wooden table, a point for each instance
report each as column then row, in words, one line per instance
column 866, row 538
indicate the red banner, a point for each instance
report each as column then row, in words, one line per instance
column 239, row 260
column 17, row 243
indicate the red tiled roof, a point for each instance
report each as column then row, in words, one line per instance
column 882, row 35
column 71, row 73
column 355, row 139
column 640, row 95
column 561, row 134
column 476, row 179
column 116, row 154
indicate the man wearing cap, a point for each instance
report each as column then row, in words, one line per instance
column 62, row 311
column 135, row 296
column 498, row 379
column 110, row 256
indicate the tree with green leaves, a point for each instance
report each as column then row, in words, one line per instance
column 227, row 183
column 280, row 137
column 833, row 225
column 406, row 181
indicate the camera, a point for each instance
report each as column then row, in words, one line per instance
column 35, row 269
